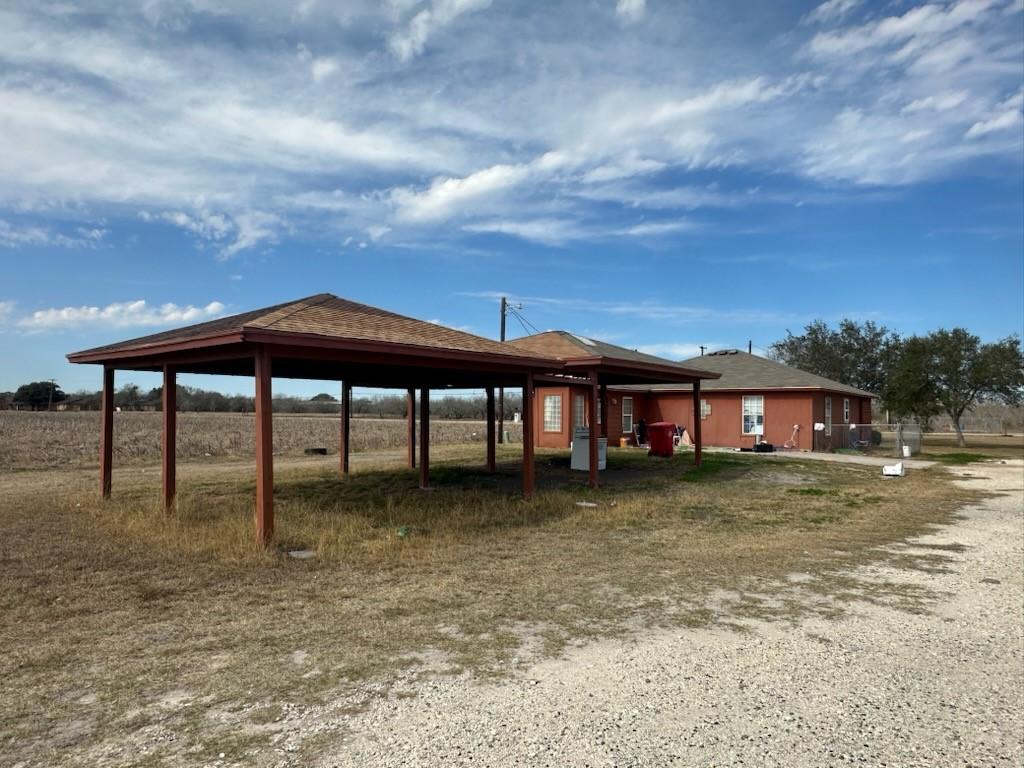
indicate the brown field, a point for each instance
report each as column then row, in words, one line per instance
column 135, row 637
column 37, row 440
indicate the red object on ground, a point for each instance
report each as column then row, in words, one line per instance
column 660, row 435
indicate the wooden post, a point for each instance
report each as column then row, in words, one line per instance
column 264, row 450
column 604, row 410
column 346, row 426
column 424, row 438
column 593, row 431
column 169, row 446
column 106, row 432
column 528, row 468
column 410, row 426
column 696, row 423
column 491, row 460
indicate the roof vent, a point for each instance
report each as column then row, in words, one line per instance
column 722, row 352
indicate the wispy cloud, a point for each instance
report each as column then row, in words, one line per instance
column 831, row 11
column 12, row 236
column 118, row 315
column 410, row 41
column 631, row 11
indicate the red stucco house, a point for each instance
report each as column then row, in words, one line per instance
column 754, row 399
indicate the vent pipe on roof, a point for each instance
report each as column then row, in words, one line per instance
column 702, row 348
column 750, row 347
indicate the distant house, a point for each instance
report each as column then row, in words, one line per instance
column 754, row 400
column 757, row 399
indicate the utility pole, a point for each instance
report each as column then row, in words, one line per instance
column 702, row 348
column 49, row 404
column 501, row 390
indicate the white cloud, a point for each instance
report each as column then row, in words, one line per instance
column 323, row 68
column 253, row 228
column 6, row 310
column 939, row 102
column 447, row 196
column 831, row 11
column 28, row 236
column 546, row 231
column 1006, row 115
column 119, row 315
column 631, row 11
column 410, row 42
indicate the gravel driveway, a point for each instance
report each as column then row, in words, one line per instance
column 878, row 687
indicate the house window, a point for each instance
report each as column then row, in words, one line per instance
column 552, row 413
column 705, row 410
column 753, row 414
column 846, row 410
column 828, row 415
column 579, row 413
column 627, row 415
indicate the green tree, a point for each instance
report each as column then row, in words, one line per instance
column 858, row 354
column 323, row 397
column 952, row 371
column 39, row 394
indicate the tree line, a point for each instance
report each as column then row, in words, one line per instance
column 917, row 378
column 46, row 395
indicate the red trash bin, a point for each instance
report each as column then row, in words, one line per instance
column 660, row 435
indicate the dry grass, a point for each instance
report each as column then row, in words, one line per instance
column 35, row 440
column 172, row 639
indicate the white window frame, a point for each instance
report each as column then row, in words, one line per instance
column 556, row 412
column 705, row 410
column 627, row 427
column 828, row 414
column 846, row 410
column 579, row 411
column 756, row 414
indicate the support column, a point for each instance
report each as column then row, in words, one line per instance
column 492, row 464
column 528, row 425
column 424, row 437
column 410, row 426
column 264, row 450
column 169, row 407
column 604, row 410
column 106, row 432
column 592, row 396
column 696, row 423
column 346, row 427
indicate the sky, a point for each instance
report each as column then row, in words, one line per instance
column 660, row 174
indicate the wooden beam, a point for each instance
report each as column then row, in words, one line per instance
column 492, row 464
column 346, row 427
column 264, row 450
column 696, row 423
column 424, row 438
column 170, row 433
column 592, row 396
column 604, row 410
column 528, row 428
column 410, row 426
column 107, row 432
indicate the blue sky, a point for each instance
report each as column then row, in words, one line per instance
column 660, row 174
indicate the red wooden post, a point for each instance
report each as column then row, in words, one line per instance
column 528, row 468
column 169, row 446
column 264, row 450
column 696, row 423
column 593, row 432
column 491, row 460
column 424, row 437
column 106, row 432
column 346, row 426
column 410, row 425
column 604, row 410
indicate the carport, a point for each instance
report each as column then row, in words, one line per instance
column 325, row 337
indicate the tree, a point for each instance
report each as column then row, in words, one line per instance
column 858, row 354
column 39, row 394
column 323, row 397
column 952, row 371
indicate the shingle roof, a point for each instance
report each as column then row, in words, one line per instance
column 330, row 316
column 567, row 346
column 741, row 370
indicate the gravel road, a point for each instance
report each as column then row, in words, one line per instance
column 878, row 687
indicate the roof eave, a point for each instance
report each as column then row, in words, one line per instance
column 104, row 355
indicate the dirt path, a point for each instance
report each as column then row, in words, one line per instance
column 879, row 686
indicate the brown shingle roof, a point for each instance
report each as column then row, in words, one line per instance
column 329, row 316
column 741, row 370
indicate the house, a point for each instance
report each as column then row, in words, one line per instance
column 754, row 399
column 757, row 398
column 560, row 410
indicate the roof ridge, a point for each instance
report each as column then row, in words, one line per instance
column 299, row 304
